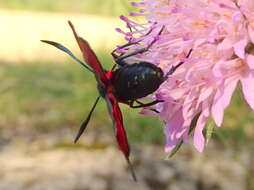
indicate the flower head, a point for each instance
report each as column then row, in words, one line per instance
column 220, row 34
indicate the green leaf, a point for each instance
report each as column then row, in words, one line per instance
column 209, row 131
column 174, row 151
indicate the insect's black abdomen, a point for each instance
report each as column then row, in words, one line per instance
column 136, row 80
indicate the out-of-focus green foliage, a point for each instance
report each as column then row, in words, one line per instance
column 108, row 7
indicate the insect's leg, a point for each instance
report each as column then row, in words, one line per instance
column 118, row 61
column 127, row 44
column 130, row 103
column 173, row 68
column 154, row 110
column 113, row 53
column 122, row 57
column 141, row 105
column 115, row 56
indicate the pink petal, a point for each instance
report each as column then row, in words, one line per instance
column 251, row 33
column 225, row 6
column 218, row 108
column 239, row 48
column 206, row 105
column 204, row 94
column 248, row 88
column 222, row 99
column 146, row 111
column 225, row 49
column 198, row 138
column 167, row 111
column 217, row 69
column 237, row 17
column 222, row 68
column 228, row 92
column 226, row 44
column 171, row 129
column 187, row 105
column 187, row 123
column 250, row 61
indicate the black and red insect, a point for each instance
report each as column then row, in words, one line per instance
column 124, row 84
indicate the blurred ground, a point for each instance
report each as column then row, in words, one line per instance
column 44, row 165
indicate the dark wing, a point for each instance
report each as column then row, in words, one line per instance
column 120, row 133
column 89, row 56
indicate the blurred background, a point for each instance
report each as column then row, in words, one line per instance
column 45, row 96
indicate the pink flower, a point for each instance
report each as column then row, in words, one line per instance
column 221, row 36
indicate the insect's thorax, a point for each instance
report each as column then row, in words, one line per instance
column 136, row 80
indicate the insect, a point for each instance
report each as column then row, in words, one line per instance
column 124, row 84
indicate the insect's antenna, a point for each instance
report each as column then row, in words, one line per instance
column 86, row 121
column 66, row 50
column 173, row 68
